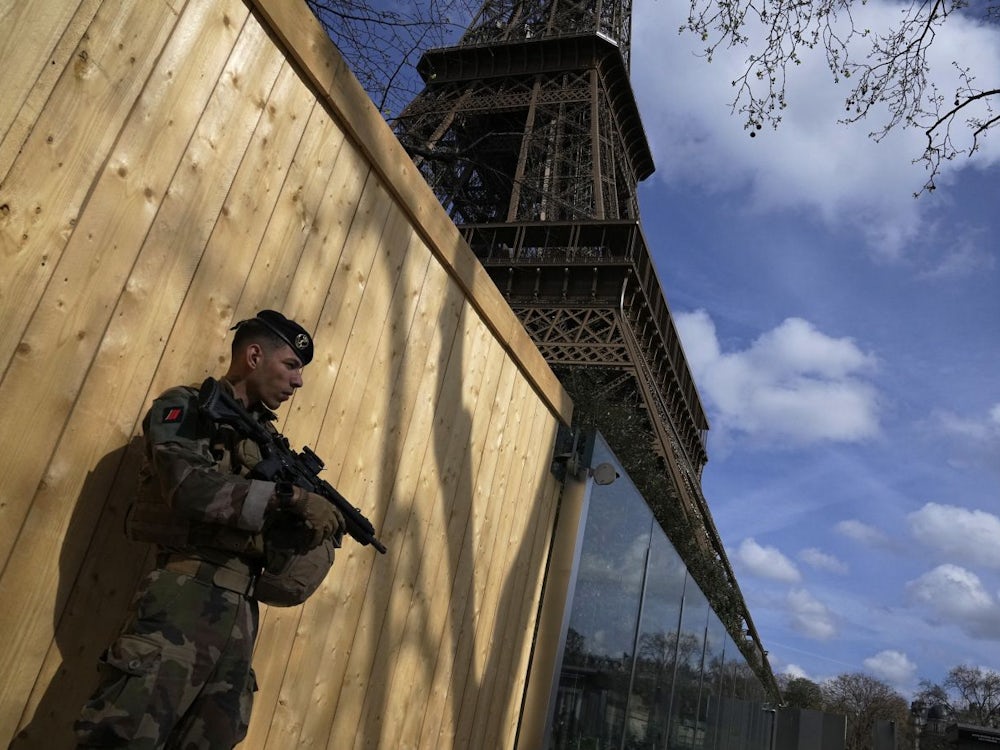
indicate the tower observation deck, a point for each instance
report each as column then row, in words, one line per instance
column 528, row 132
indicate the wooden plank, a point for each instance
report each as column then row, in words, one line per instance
column 307, row 43
column 410, row 271
column 452, row 660
column 410, row 492
column 328, row 212
column 339, row 314
column 358, row 371
column 57, row 337
column 453, row 657
column 401, row 686
column 237, row 233
column 470, row 675
column 308, row 229
column 363, row 701
column 356, row 303
column 371, row 359
column 68, row 671
column 569, row 509
column 236, row 243
column 320, row 609
column 207, row 309
column 36, row 48
column 509, row 638
column 387, row 411
column 435, row 326
column 71, row 317
column 338, row 311
column 30, row 33
column 174, row 289
column 521, row 629
column 388, row 453
column 50, row 181
column 324, row 179
column 405, row 341
column 389, row 395
column 494, row 586
column 408, row 402
column 183, row 224
column 102, row 588
column 343, row 700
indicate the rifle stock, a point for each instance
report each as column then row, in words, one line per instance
column 281, row 463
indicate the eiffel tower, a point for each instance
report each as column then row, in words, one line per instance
column 528, row 132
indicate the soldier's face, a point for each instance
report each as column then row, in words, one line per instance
column 277, row 374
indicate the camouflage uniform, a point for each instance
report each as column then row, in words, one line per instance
column 179, row 675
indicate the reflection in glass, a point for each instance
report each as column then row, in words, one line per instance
column 686, row 731
column 715, row 650
column 593, row 687
column 649, row 703
column 647, row 665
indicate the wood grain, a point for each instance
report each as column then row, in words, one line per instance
column 169, row 169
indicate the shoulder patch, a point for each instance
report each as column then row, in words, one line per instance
column 172, row 414
column 174, row 417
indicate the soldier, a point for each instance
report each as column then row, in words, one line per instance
column 179, row 674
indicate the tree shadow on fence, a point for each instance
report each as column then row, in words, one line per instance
column 494, row 631
column 463, row 667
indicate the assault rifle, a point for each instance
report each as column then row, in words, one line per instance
column 279, row 463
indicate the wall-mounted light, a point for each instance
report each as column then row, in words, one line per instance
column 604, row 473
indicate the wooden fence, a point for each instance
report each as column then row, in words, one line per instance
column 168, row 167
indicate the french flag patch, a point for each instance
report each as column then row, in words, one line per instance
column 173, row 414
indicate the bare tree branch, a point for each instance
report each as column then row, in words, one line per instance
column 893, row 73
column 384, row 44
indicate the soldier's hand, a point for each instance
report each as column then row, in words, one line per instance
column 320, row 516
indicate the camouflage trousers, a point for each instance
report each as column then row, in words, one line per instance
column 179, row 675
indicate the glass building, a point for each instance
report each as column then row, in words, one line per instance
column 645, row 662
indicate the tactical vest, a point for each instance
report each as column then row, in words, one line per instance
column 151, row 518
column 287, row 576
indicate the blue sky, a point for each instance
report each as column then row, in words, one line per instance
column 845, row 339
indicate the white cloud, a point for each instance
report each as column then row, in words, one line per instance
column 793, row 384
column 861, row 532
column 812, row 161
column 954, row 595
column 822, row 561
column 893, row 666
column 767, row 562
column 976, row 430
column 967, row 252
column 697, row 332
column 597, row 566
column 810, row 616
column 969, row 536
column 974, row 440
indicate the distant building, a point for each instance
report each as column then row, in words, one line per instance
column 972, row 737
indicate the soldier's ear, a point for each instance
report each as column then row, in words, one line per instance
column 253, row 355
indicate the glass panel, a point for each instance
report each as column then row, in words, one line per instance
column 641, row 670
column 715, row 648
column 743, row 722
column 724, row 722
column 649, row 705
column 686, row 731
column 597, row 666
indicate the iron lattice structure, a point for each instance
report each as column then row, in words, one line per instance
column 529, row 134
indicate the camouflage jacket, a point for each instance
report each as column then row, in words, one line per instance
column 193, row 490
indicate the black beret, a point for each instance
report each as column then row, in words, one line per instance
column 288, row 331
